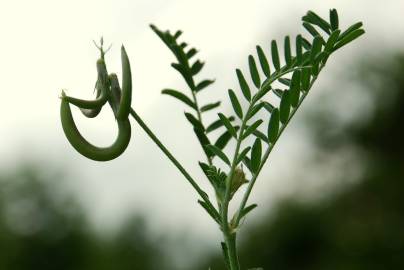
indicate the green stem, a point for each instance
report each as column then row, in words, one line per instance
column 230, row 240
column 201, row 193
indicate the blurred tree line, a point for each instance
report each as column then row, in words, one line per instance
column 361, row 227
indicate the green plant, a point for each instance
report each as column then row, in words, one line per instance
column 290, row 81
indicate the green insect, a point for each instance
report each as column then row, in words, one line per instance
column 102, row 82
column 108, row 89
column 91, row 113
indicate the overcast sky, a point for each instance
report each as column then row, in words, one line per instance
column 47, row 46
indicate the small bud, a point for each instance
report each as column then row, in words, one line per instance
column 238, row 180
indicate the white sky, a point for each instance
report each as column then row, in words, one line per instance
column 47, row 45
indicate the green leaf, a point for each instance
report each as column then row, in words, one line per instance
column 203, row 84
column 352, row 28
column 210, row 106
column 306, row 44
column 268, row 106
column 228, row 125
column 191, row 53
column 331, row 41
column 311, row 29
column 305, row 77
column 263, row 62
column 287, row 51
column 243, row 85
column 260, row 135
column 313, row 18
column 256, row 153
column 299, row 49
column 284, row 107
column 183, row 45
column 251, row 128
column 185, row 74
column 203, row 140
column 295, row 88
column 212, row 213
column 178, row 95
column 195, row 122
column 334, row 19
column 275, row 55
column 284, row 81
column 197, row 67
column 180, row 55
column 217, row 152
column 273, row 126
column 348, row 38
column 247, row 163
column 236, row 104
column 247, row 210
column 223, row 140
column 316, row 48
column 255, row 76
column 217, row 124
column 177, row 34
column 254, row 110
column 242, row 155
column 315, row 69
column 278, row 92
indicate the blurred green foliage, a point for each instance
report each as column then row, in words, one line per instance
column 361, row 227
column 42, row 228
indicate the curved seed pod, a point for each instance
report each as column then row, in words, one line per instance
column 102, row 98
column 91, row 113
column 87, row 149
column 115, row 93
column 126, row 98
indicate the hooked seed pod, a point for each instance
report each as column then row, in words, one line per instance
column 125, row 100
column 87, row 149
column 108, row 89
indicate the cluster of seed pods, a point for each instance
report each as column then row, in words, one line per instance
column 107, row 90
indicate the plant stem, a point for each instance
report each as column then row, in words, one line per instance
column 201, row 193
column 230, row 240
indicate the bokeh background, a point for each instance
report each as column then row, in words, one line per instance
column 330, row 196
